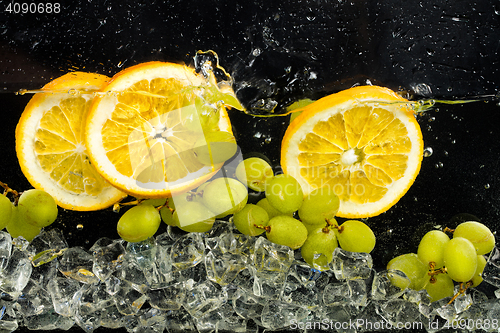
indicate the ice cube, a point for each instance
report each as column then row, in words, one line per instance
column 168, row 298
column 491, row 272
column 276, row 315
column 351, row 265
column 382, row 287
column 16, row 273
column 34, row 300
column 204, row 297
column 62, row 290
column 187, row 251
column 5, row 248
column 46, row 246
column 77, row 264
column 107, row 256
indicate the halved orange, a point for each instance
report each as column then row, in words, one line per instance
column 363, row 143
column 143, row 129
column 50, row 144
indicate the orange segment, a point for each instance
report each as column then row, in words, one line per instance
column 142, row 130
column 362, row 143
column 50, row 144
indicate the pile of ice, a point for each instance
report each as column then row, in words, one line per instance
column 218, row 281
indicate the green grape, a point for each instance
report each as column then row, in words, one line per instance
column 439, row 286
column 193, row 216
column 254, row 172
column 246, row 219
column 318, row 248
column 297, row 105
column 460, row 259
column 430, row 249
column 225, row 196
column 215, row 147
column 355, row 236
column 6, row 207
column 271, row 211
column 37, row 207
column 167, row 212
column 480, row 236
column 320, row 205
column 477, row 278
column 284, row 193
column 198, row 194
column 138, row 223
column 19, row 227
column 287, row 231
column 414, row 269
column 154, row 202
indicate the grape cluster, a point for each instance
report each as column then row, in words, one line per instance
column 193, row 211
column 284, row 215
column 441, row 261
column 315, row 230
column 28, row 214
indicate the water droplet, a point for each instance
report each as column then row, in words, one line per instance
column 445, row 153
column 428, row 151
column 257, row 52
column 431, row 119
column 79, row 226
column 438, row 165
column 257, row 135
column 453, row 141
column 268, row 140
column 487, row 186
column 450, row 89
column 73, row 92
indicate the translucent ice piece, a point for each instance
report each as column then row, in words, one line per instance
column 5, row 248
column 204, row 297
column 187, row 251
column 34, row 300
column 383, row 289
column 62, row 290
column 491, row 272
column 111, row 318
column 128, row 301
column 107, row 256
column 168, row 298
column 46, row 246
column 351, row 265
column 180, row 321
column 247, row 305
column 77, row 263
column 222, row 266
column 221, row 319
column 16, row 273
column 276, row 315
column 48, row 321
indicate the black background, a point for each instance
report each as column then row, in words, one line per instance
column 281, row 51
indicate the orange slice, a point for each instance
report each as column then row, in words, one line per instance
column 143, row 129
column 363, row 143
column 50, row 144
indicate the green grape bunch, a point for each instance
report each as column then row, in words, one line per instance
column 30, row 211
column 441, row 261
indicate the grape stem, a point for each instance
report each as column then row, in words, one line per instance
column 260, row 226
column 8, row 190
column 451, row 231
column 461, row 291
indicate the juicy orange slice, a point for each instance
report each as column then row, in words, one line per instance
column 143, row 129
column 50, row 144
column 363, row 143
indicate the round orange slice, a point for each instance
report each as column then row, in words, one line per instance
column 143, row 129
column 50, row 144
column 363, row 143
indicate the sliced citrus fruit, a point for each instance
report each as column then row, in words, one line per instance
column 143, row 131
column 363, row 143
column 50, row 144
